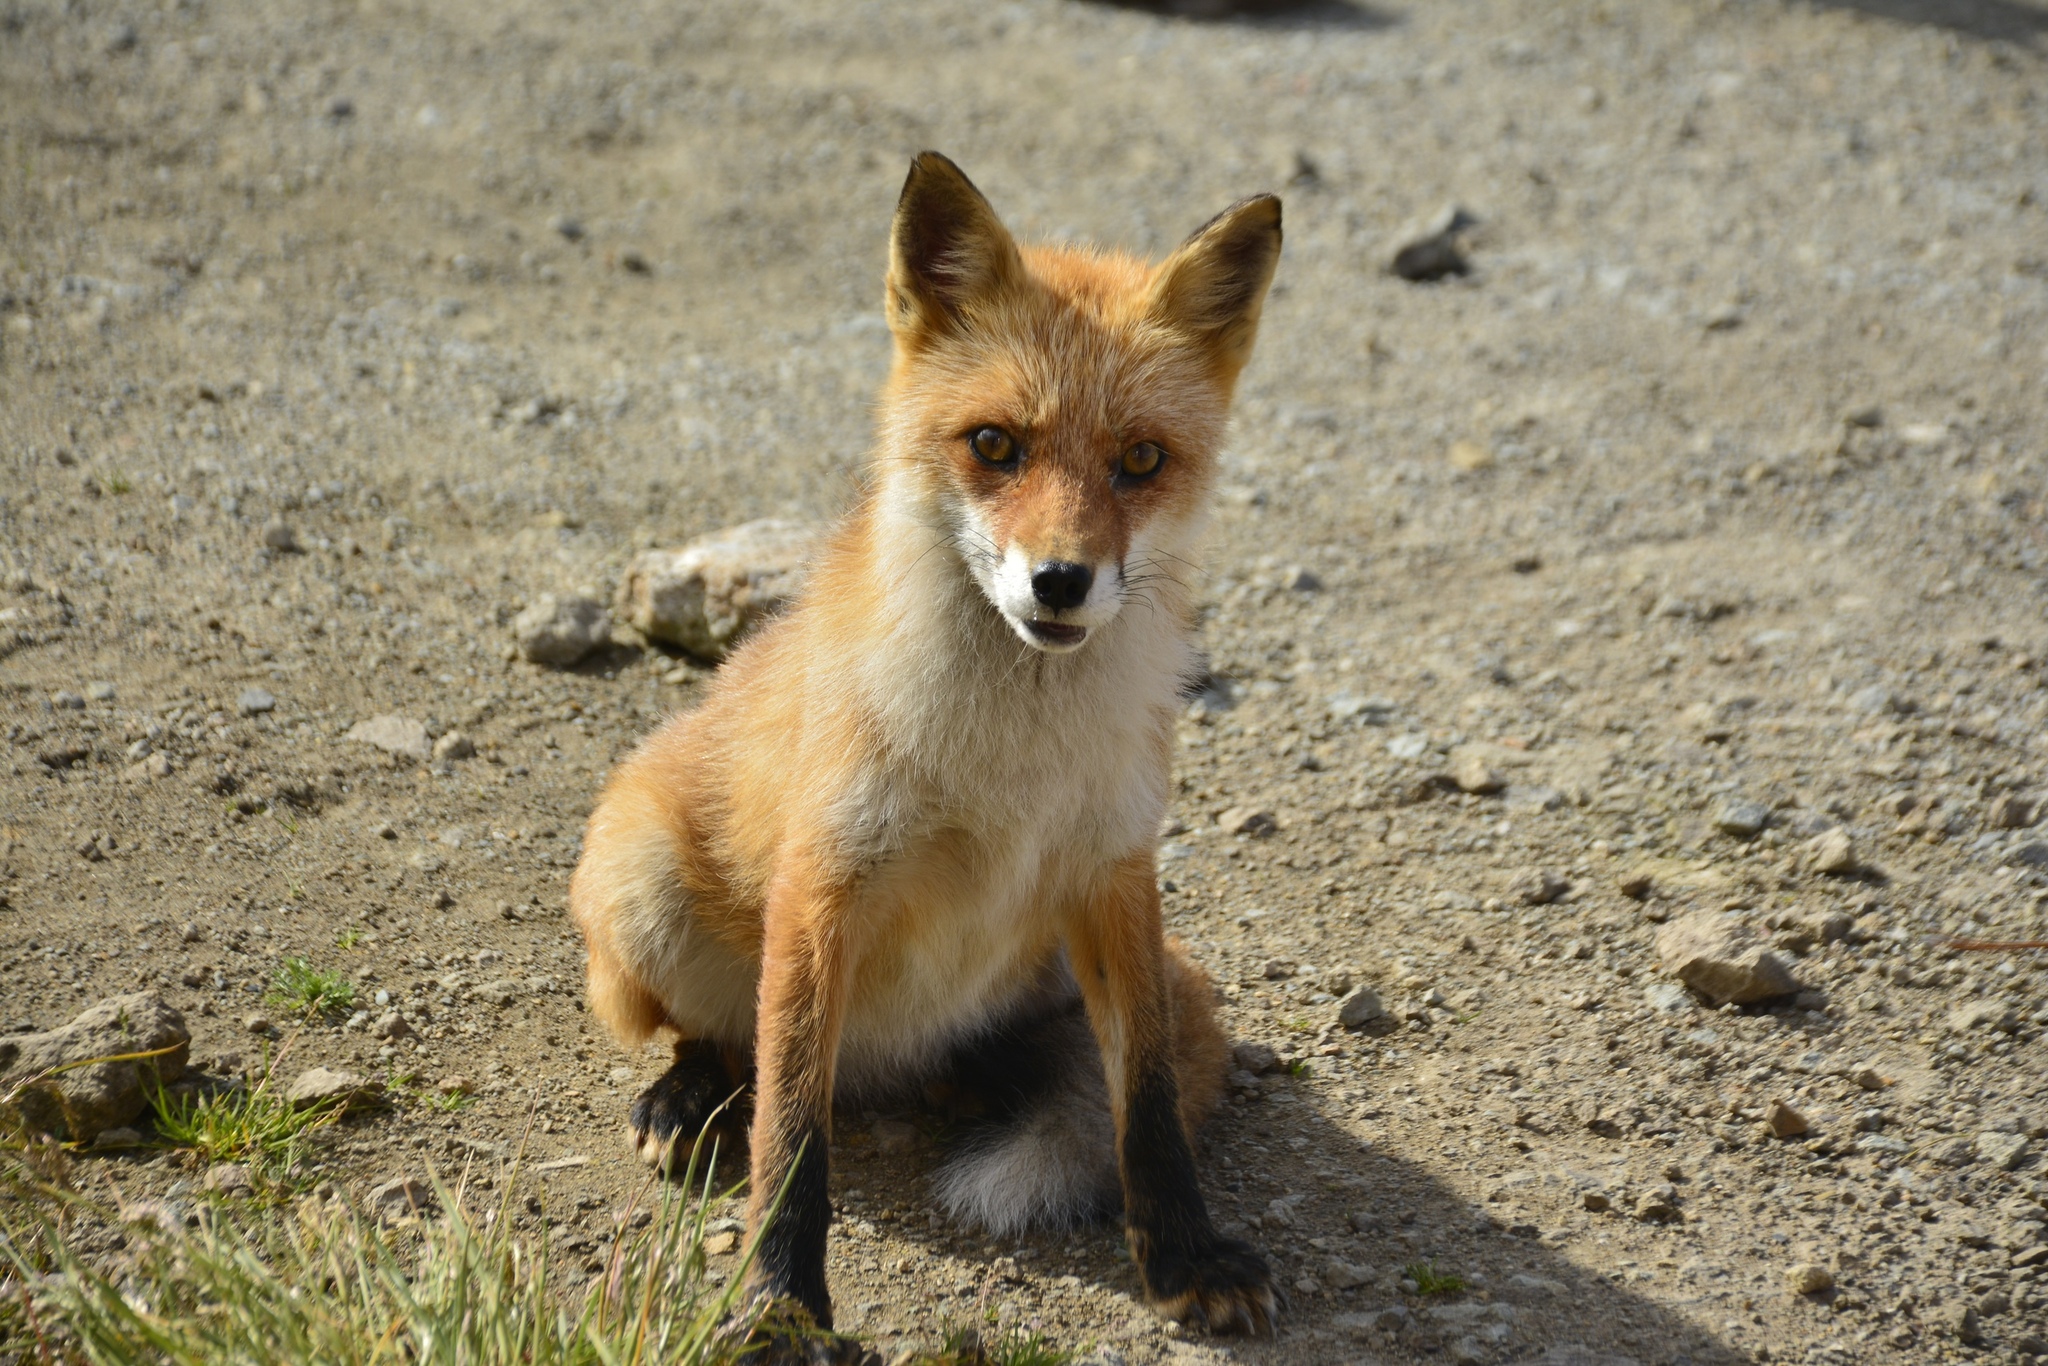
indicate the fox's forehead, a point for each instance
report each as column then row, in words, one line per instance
column 1050, row 368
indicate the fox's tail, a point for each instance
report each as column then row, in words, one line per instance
column 1040, row 1147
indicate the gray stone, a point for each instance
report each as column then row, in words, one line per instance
column 278, row 535
column 1249, row 821
column 392, row 1025
column 324, row 1085
column 1339, row 1274
column 1669, row 998
column 255, row 702
column 2001, row 1150
column 1537, row 886
column 1959, row 1151
column 559, row 632
column 100, row 691
column 83, row 1101
column 1254, row 1057
column 501, row 992
column 706, row 596
column 400, row 735
column 1741, row 819
column 1964, row 1323
column 402, row 1196
column 1361, row 1008
column 1723, row 960
column 230, row 1178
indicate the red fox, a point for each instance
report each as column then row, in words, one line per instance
column 908, row 838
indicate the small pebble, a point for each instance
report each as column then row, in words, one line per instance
column 1810, row 1278
column 1785, row 1121
column 278, row 535
column 1742, row 819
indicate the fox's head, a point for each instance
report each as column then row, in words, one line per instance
column 1056, row 410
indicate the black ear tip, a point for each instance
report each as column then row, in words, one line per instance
column 929, row 165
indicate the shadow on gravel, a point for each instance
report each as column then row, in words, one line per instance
column 1349, row 1211
column 1266, row 13
column 2011, row 20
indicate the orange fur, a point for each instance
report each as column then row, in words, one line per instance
column 901, row 801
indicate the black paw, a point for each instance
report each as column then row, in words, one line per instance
column 689, row 1107
column 1223, row 1285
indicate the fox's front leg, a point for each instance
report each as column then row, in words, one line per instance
column 802, row 996
column 1118, row 951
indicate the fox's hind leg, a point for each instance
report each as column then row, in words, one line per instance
column 701, row 1094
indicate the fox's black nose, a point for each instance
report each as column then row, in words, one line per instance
column 1060, row 585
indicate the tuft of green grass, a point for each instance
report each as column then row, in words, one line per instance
column 404, row 1088
column 983, row 1347
column 330, row 1283
column 304, row 989
column 1429, row 1281
column 348, row 938
column 119, row 483
column 242, row 1124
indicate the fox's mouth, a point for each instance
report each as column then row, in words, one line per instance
column 1055, row 634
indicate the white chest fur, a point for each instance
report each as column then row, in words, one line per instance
column 1009, row 785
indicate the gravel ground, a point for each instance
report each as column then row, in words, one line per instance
column 1683, row 557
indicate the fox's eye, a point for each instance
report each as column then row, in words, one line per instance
column 1143, row 460
column 994, row 445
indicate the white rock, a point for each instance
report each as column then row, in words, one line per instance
column 707, row 595
column 1833, row 851
column 1361, row 1007
column 1723, row 960
column 561, row 631
column 400, row 735
column 316, row 1085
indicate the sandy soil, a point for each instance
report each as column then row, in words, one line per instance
column 1718, row 480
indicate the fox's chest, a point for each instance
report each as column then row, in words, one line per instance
column 958, row 919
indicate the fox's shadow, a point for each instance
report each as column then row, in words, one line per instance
column 1327, row 1209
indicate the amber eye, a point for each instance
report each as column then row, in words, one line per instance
column 1142, row 461
column 994, row 445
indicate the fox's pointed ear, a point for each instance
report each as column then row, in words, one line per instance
column 947, row 251
column 1212, row 288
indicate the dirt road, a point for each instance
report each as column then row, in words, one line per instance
column 1683, row 557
